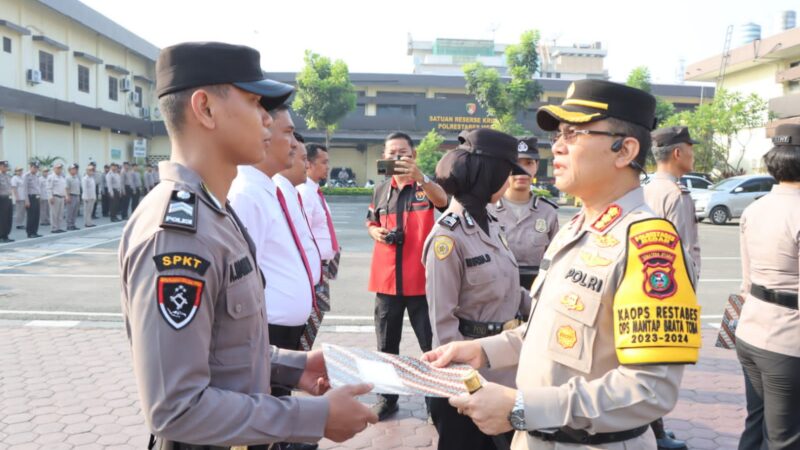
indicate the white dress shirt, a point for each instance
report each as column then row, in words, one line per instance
column 88, row 185
column 301, row 225
column 315, row 211
column 253, row 196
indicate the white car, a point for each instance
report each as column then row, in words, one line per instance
column 728, row 198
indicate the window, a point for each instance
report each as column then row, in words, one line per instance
column 83, row 78
column 757, row 185
column 700, row 184
column 766, row 185
column 46, row 65
column 397, row 110
column 113, row 88
column 138, row 91
column 6, row 44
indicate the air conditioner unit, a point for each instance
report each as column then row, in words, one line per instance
column 34, row 76
column 145, row 113
column 135, row 97
column 125, row 85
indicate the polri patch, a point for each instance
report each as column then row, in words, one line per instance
column 179, row 299
column 181, row 260
column 442, row 246
column 181, row 211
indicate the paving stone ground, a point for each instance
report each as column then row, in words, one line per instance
column 64, row 388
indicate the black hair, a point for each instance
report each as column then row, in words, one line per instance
column 299, row 137
column 282, row 107
column 173, row 106
column 783, row 162
column 637, row 132
column 313, row 150
column 399, row 135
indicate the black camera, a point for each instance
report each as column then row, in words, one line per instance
column 394, row 237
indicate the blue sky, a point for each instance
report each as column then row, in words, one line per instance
column 372, row 36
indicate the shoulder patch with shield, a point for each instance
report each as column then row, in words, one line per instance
column 179, row 299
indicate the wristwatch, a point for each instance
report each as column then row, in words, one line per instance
column 425, row 179
column 517, row 415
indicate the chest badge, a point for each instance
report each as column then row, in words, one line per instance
column 442, row 247
column 540, row 226
column 572, row 302
column 594, row 259
column 419, row 196
column 567, row 337
column 605, row 241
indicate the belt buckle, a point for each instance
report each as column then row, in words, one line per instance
column 239, row 447
column 511, row 324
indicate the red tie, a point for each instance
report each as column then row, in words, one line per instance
column 313, row 239
column 334, row 242
column 282, row 201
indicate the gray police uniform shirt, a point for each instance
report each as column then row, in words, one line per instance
column 29, row 186
column 5, row 185
column 137, row 180
column 770, row 249
column 56, row 185
column 567, row 367
column 668, row 199
column 113, row 182
column 73, row 185
column 470, row 275
column 530, row 233
column 194, row 311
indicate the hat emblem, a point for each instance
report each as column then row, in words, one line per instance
column 570, row 90
column 522, row 147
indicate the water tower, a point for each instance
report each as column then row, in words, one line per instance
column 786, row 20
column 747, row 33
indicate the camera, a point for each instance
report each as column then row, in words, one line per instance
column 387, row 166
column 394, row 237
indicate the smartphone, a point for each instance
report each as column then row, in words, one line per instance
column 386, row 167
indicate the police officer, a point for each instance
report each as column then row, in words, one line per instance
column 768, row 332
column 472, row 276
column 615, row 313
column 6, row 204
column 674, row 155
column 44, row 202
column 19, row 202
column 57, row 195
column 192, row 293
column 105, row 195
column 73, row 197
column 114, row 186
column 138, row 189
column 31, row 191
column 529, row 221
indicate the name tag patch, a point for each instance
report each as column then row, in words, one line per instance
column 181, row 260
column 240, row 268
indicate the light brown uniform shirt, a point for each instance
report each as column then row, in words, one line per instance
column 194, row 310
column 770, row 245
column 580, row 383
column 669, row 200
column 475, row 279
column 529, row 235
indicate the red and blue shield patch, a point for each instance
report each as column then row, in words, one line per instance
column 178, row 299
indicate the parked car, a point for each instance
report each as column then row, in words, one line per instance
column 728, row 198
column 691, row 182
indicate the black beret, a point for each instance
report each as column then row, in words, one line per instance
column 787, row 134
column 194, row 64
column 671, row 136
column 492, row 143
column 592, row 100
column 526, row 148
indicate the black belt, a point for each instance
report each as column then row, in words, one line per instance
column 477, row 330
column 59, row 196
column 529, row 270
column 161, row 444
column 781, row 298
column 569, row 436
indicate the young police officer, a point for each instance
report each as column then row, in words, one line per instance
column 192, row 293
column 615, row 312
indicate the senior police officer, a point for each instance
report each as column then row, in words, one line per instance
column 57, row 195
column 192, row 293
column 472, row 275
column 6, row 204
column 529, row 221
column 73, row 197
column 672, row 149
column 615, row 313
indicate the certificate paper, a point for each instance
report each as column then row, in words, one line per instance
column 392, row 374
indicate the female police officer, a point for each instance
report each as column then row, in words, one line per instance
column 472, row 277
column 768, row 335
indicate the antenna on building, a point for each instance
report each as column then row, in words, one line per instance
column 493, row 29
column 726, row 56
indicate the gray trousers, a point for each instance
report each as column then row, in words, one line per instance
column 772, row 389
column 88, row 205
column 44, row 212
column 57, row 214
column 72, row 209
column 19, row 213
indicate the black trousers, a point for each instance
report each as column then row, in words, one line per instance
column 114, row 203
column 459, row 432
column 772, row 389
column 124, row 204
column 6, row 210
column 105, row 203
column 389, row 312
column 287, row 338
column 134, row 199
column 32, row 227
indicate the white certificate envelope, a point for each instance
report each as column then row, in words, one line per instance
column 392, row 374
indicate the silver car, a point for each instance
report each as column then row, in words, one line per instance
column 728, row 198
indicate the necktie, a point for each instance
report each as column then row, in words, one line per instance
column 331, row 230
column 298, row 244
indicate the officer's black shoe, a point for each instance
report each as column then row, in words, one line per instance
column 72, row 228
column 34, row 236
column 90, row 226
column 6, row 240
column 668, row 443
column 669, row 434
column 20, row 227
column 384, row 408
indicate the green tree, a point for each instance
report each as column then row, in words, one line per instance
column 503, row 99
column 428, row 153
column 721, row 127
column 640, row 79
column 324, row 93
column 46, row 161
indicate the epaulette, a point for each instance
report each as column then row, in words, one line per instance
column 546, row 200
column 684, row 189
column 181, row 212
column 450, row 221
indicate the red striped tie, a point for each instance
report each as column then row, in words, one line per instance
column 298, row 244
column 331, row 230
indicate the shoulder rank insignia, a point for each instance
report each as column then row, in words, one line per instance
column 450, row 221
column 181, row 211
column 443, row 246
column 684, row 189
column 609, row 216
column 468, row 218
column 179, row 299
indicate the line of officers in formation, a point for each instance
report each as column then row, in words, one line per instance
column 612, row 313
column 41, row 197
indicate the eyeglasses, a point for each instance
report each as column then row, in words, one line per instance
column 570, row 134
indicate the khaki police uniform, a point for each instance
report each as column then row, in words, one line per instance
column 57, row 190
column 668, row 199
column 528, row 235
column 74, row 192
column 194, row 311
